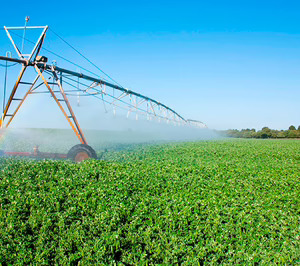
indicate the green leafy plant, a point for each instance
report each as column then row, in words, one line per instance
column 215, row 202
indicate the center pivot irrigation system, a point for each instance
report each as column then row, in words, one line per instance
column 61, row 83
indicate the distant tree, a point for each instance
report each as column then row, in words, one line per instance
column 274, row 134
column 245, row 133
column 292, row 134
column 281, row 134
column 264, row 133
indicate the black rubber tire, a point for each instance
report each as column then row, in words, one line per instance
column 1, row 153
column 81, row 148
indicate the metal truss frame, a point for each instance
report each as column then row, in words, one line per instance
column 82, row 85
column 33, row 60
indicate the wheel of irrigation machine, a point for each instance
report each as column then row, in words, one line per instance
column 81, row 152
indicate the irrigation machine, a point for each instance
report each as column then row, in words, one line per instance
column 61, row 83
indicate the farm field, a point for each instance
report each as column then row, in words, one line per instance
column 222, row 201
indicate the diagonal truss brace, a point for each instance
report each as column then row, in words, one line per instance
column 72, row 118
column 22, row 101
column 31, row 60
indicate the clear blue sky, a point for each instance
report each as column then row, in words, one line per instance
column 231, row 64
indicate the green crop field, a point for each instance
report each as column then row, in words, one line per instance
column 207, row 202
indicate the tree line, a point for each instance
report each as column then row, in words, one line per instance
column 264, row 133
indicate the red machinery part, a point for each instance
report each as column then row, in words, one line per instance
column 77, row 154
column 41, row 155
